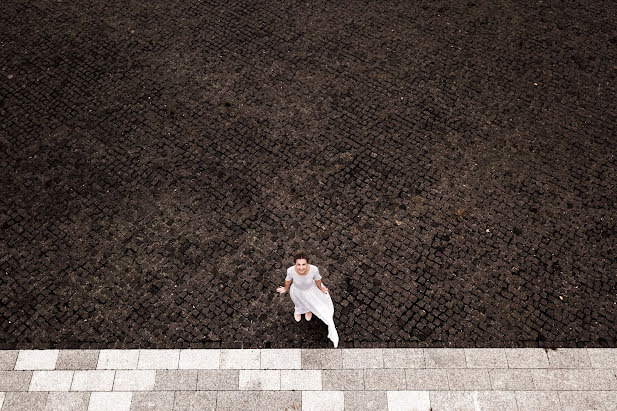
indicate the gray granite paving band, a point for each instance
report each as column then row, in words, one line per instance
column 355, row 379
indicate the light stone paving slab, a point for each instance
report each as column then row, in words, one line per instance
column 134, row 380
column 36, row 360
column 359, row 358
column 152, row 400
column 195, row 401
column 444, row 358
column 468, row 380
column 176, row 380
column 158, row 359
column 342, row 380
column 67, row 401
column 118, row 359
column 427, row 380
column 486, row 358
column 51, row 381
column 495, row 400
column 366, row 400
column 106, row 401
column 240, row 359
column 217, row 380
column 384, row 379
column 8, row 359
column 602, row 357
column 511, row 379
column 93, row 380
column 403, row 358
column 408, row 401
column 281, row 359
column 253, row 380
column 538, row 400
column 77, row 359
column 527, row 358
column 199, row 359
column 451, row 400
column 2, row 398
column 574, row 379
column 322, row 359
column 24, row 401
column 588, row 400
column 15, row 380
column 258, row 400
column 301, row 380
column 323, row 401
column 569, row 358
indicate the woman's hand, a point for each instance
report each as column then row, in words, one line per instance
column 324, row 289
column 281, row 290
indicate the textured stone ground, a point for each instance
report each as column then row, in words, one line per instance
column 310, row 379
column 449, row 165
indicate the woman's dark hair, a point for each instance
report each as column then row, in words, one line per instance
column 301, row 256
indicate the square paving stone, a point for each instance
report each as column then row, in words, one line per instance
column 258, row 400
column 93, row 380
column 67, row 401
column 362, row 358
column 155, row 401
column 240, row 359
column 134, row 380
column 444, row 358
column 321, row 359
column 538, row 400
column 569, row 358
column 8, row 359
column 158, row 359
column 511, row 379
column 602, row 357
column 323, row 401
column 468, row 380
column 409, row 401
column 199, row 359
column 77, row 359
column 486, row 358
column 427, row 380
column 105, row 401
column 36, row 360
column 527, row 358
column 24, row 401
column 342, row 380
column 216, row 380
column 15, row 380
column 51, row 381
column 176, row 380
column 301, row 380
column 384, row 379
column 281, row 359
column 366, row 400
column 252, row 380
column 195, row 400
column 452, row 400
column 403, row 357
column 118, row 359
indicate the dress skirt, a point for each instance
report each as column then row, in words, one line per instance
column 318, row 303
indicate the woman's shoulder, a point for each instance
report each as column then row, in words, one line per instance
column 290, row 269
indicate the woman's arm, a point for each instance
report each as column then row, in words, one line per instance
column 321, row 287
column 282, row 290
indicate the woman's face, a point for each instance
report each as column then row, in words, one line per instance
column 301, row 266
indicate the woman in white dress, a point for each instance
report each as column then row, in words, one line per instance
column 309, row 295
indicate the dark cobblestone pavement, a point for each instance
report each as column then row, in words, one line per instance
column 449, row 164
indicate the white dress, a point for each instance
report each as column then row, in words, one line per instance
column 307, row 297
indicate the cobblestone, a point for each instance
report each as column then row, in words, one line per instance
column 449, row 166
